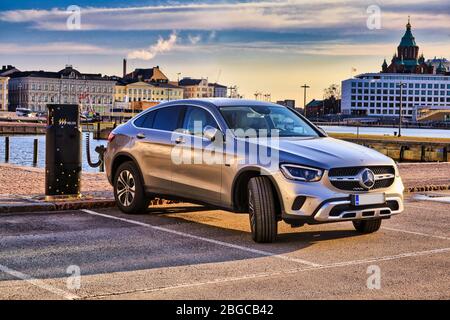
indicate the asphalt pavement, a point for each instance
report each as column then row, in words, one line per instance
column 184, row 251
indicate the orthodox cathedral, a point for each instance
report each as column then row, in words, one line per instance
column 407, row 59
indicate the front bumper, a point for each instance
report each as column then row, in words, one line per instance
column 324, row 203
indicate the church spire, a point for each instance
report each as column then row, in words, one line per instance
column 408, row 39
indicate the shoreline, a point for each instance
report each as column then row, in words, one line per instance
column 388, row 138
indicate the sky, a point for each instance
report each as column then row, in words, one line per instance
column 271, row 46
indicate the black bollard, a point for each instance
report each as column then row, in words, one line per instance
column 6, row 149
column 35, row 151
column 63, row 151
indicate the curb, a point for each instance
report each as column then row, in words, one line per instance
column 427, row 188
column 69, row 205
column 57, row 206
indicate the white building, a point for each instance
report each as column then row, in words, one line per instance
column 35, row 89
column 378, row 94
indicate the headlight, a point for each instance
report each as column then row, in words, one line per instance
column 301, row 173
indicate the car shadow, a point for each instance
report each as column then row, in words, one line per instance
column 290, row 240
column 47, row 244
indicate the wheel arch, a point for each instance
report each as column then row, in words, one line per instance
column 239, row 189
column 121, row 158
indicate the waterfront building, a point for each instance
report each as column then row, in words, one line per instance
column 4, row 93
column 151, row 75
column 6, row 71
column 378, row 94
column 407, row 59
column 35, row 89
column 314, row 108
column 137, row 90
column 220, row 91
column 425, row 85
column 166, row 92
column 132, row 91
column 196, row 88
column 201, row 88
column 441, row 65
column 287, row 103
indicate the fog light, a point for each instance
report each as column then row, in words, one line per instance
column 298, row 203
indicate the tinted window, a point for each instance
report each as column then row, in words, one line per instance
column 167, row 118
column 146, row 121
column 196, row 119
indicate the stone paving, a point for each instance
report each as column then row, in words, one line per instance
column 21, row 188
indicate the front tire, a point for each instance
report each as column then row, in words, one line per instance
column 129, row 190
column 261, row 205
column 367, row 226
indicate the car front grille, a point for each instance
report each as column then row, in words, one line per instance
column 353, row 172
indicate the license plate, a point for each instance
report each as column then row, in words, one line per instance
column 367, row 199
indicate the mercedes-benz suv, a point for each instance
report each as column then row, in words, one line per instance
column 250, row 157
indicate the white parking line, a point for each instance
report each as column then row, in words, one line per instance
column 416, row 233
column 274, row 274
column 218, row 242
column 38, row 283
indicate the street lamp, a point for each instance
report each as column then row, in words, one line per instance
column 304, row 96
column 400, row 116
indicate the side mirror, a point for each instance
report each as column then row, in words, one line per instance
column 210, row 133
column 322, row 131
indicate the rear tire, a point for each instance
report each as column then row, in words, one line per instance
column 129, row 190
column 367, row 226
column 261, row 203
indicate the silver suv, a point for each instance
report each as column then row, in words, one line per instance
column 250, row 157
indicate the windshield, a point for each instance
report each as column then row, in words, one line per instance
column 250, row 121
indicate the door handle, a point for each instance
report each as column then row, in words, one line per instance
column 179, row 140
column 140, row 136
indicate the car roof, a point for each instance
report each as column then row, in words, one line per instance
column 224, row 102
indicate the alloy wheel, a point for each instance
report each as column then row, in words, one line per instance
column 126, row 188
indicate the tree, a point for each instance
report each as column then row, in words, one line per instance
column 332, row 99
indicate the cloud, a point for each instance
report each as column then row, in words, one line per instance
column 160, row 47
column 258, row 15
column 194, row 39
column 324, row 48
column 53, row 48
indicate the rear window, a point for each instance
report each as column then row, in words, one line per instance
column 162, row 119
column 146, row 121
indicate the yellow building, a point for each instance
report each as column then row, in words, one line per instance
column 166, row 92
column 135, row 91
column 132, row 91
column 120, row 91
column 4, row 93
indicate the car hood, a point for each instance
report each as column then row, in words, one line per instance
column 327, row 153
